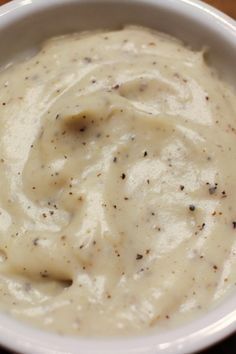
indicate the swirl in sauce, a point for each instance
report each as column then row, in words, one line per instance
column 118, row 207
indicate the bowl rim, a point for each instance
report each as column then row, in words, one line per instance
column 196, row 335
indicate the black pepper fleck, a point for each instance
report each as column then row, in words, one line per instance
column 192, row 207
column 139, row 256
column 202, row 226
column 35, row 241
column 116, row 87
column 82, row 129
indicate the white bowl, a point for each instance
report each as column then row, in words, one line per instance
column 23, row 26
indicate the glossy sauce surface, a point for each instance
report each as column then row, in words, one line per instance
column 117, row 213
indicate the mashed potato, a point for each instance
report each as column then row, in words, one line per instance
column 117, row 172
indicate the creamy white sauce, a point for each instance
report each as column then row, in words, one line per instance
column 117, row 199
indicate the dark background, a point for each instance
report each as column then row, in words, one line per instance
column 228, row 346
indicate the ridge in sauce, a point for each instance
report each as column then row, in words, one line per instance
column 117, row 205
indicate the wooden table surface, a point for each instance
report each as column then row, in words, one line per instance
column 228, row 346
column 227, row 6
